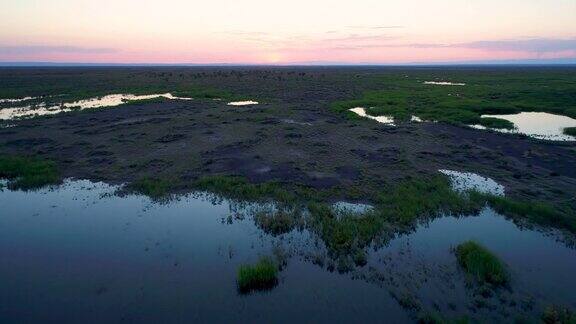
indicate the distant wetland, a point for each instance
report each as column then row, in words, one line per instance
column 342, row 194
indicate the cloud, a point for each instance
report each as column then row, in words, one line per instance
column 532, row 45
column 376, row 27
column 45, row 49
column 361, row 38
column 527, row 45
column 536, row 45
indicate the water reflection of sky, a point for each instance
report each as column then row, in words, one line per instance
column 540, row 125
column 77, row 253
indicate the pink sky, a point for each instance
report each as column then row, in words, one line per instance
column 285, row 32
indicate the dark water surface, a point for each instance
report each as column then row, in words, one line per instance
column 77, row 253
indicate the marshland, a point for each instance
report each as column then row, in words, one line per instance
column 261, row 194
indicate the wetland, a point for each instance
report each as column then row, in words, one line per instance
column 282, row 194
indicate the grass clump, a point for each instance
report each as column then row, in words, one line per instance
column 276, row 222
column 151, row 187
column 497, row 123
column 259, row 276
column 570, row 131
column 558, row 315
column 434, row 318
column 27, row 173
column 480, row 263
column 239, row 188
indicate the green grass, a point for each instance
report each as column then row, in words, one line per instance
column 27, row 173
column 487, row 93
column 398, row 206
column 151, row 187
column 203, row 93
column 570, row 131
column 497, row 123
column 259, row 276
column 276, row 222
column 481, row 264
column 538, row 212
column 238, row 188
column 558, row 315
column 434, row 318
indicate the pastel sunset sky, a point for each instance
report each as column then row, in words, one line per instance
column 285, row 32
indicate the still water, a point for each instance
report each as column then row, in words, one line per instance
column 43, row 108
column 539, row 125
column 79, row 253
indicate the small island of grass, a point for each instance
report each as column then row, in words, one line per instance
column 481, row 264
column 498, row 123
column 570, row 131
column 259, row 276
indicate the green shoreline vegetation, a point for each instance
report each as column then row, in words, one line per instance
column 497, row 123
column 28, row 173
column 345, row 234
column 570, row 131
column 403, row 99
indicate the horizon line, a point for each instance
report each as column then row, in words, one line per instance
column 557, row 61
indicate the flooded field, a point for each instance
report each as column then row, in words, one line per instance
column 289, row 194
column 79, row 253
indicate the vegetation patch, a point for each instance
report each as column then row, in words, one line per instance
column 347, row 233
column 402, row 99
column 570, row 131
column 151, row 187
column 276, row 222
column 558, row 315
column 259, row 276
column 435, row 318
column 239, row 188
column 27, row 173
column 537, row 212
column 203, row 93
column 497, row 123
column 481, row 264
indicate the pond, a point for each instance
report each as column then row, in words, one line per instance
column 444, row 83
column 538, row 125
column 80, row 253
column 42, row 108
column 243, row 103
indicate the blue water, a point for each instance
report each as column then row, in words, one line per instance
column 78, row 253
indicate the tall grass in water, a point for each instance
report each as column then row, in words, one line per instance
column 259, row 276
column 481, row 264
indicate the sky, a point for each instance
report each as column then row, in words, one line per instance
column 286, row 32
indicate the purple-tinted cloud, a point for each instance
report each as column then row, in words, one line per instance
column 538, row 45
column 376, row 27
column 44, row 49
column 531, row 45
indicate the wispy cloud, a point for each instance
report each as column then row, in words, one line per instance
column 536, row 45
column 532, row 45
column 375, row 27
column 529, row 45
column 355, row 38
column 46, row 49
